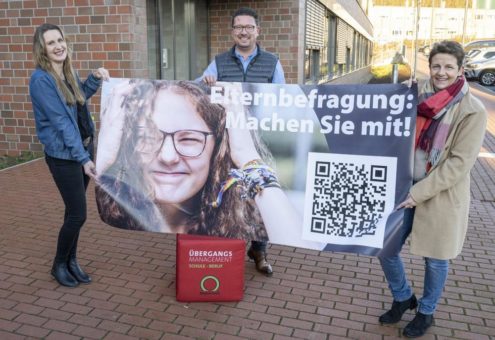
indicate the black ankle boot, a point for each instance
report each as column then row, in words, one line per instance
column 418, row 326
column 398, row 309
column 77, row 271
column 60, row 272
column 74, row 267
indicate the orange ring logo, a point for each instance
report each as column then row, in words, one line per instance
column 206, row 278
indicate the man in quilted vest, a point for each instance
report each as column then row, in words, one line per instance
column 246, row 61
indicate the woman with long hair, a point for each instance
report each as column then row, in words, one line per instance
column 166, row 159
column 65, row 128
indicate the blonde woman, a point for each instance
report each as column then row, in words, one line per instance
column 65, row 128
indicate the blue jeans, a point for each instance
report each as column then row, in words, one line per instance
column 434, row 281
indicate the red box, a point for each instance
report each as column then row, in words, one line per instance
column 209, row 268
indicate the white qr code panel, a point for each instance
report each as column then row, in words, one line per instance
column 348, row 198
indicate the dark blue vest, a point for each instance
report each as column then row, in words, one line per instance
column 260, row 69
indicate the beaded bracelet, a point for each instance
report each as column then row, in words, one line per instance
column 253, row 177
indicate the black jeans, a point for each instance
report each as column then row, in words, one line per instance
column 72, row 183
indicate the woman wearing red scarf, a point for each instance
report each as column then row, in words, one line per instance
column 450, row 129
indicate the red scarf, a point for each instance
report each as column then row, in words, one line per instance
column 431, row 110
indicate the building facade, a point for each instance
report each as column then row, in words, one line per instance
column 437, row 22
column 317, row 42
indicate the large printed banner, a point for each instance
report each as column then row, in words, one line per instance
column 171, row 156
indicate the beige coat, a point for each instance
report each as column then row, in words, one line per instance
column 443, row 196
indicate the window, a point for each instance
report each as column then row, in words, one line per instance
column 316, row 42
column 342, row 50
column 332, row 41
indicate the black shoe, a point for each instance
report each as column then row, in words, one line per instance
column 418, row 326
column 259, row 258
column 398, row 309
column 77, row 271
column 61, row 273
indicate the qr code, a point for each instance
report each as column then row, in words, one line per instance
column 348, row 198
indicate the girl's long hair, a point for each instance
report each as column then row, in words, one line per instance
column 41, row 60
column 124, row 196
column 236, row 217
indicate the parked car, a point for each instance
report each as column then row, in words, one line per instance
column 480, row 54
column 477, row 44
column 483, row 71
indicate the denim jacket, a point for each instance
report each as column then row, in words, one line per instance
column 56, row 122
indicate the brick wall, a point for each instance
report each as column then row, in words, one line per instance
column 112, row 33
column 102, row 33
column 279, row 22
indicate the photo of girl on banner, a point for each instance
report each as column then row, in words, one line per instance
column 175, row 157
column 167, row 163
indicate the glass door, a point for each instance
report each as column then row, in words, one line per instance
column 177, row 38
